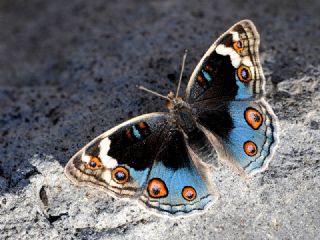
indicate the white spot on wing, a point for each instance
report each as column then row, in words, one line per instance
column 234, row 56
column 221, row 49
column 235, row 36
column 107, row 161
column 106, row 176
column 85, row 158
column 246, row 61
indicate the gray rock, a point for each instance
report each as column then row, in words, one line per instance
column 68, row 71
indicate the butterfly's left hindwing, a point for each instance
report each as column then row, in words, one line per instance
column 120, row 159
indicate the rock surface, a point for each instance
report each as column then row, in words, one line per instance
column 68, row 71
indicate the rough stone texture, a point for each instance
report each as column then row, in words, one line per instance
column 68, row 71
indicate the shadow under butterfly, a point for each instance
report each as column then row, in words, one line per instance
column 159, row 158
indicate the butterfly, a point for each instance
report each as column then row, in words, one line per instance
column 160, row 158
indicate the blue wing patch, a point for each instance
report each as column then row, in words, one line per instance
column 175, row 185
column 251, row 141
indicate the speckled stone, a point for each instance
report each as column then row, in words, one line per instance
column 68, row 72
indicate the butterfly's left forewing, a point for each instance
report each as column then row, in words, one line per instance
column 119, row 160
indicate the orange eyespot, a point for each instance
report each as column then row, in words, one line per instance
column 253, row 118
column 142, row 125
column 250, row 148
column 189, row 193
column 120, row 175
column 128, row 133
column 238, row 46
column 157, row 188
column 244, row 74
column 94, row 163
column 201, row 81
column 208, row 68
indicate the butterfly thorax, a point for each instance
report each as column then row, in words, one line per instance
column 180, row 112
column 175, row 103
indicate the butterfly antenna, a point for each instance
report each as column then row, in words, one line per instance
column 182, row 69
column 152, row 92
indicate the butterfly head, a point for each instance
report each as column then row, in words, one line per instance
column 174, row 103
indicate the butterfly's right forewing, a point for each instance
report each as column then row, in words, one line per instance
column 225, row 93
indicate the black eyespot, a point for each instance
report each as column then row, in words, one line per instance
column 250, row 148
column 120, row 175
column 253, row 117
column 239, row 44
column 189, row 193
column 256, row 117
column 244, row 73
column 156, row 190
column 92, row 164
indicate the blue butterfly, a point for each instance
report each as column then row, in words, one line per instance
column 158, row 158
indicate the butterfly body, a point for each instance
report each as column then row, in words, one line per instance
column 180, row 114
column 159, row 158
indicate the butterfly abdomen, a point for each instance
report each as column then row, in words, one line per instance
column 196, row 139
column 201, row 145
